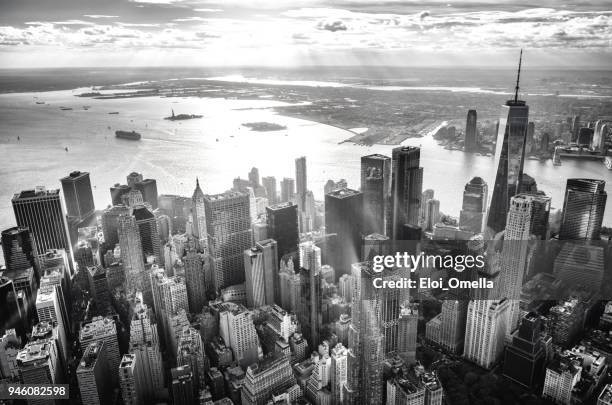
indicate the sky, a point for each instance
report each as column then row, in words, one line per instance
column 294, row 33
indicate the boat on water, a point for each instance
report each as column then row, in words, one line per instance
column 608, row 162
column 65, row 108
column 179, row 117
column 131, row 135
column 40, row 102
column 114, row 112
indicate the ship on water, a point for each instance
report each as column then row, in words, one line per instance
column 131, row 135
column 179, row 117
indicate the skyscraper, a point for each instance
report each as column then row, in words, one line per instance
column 474, row 205
column 344, row 217
column 366, row 340
column 118, row 191
column 261, row 271
column 199, row 217
column 583, row 209
column 197, row 268
column 376, row 189
column 301, row 177
column 129, row 380
column 283, row 227
column 271, row 375
column 525, row 355
column 42, row 212
column 471, row 132
column 287, row 189
column 144, row 345
column 149, row 234
column 432, row 214
column 509, row 158
column 228, row 223
column 238, row 331
column 148, row 189
column 269, row 184
column 407, row 186
column 103, row 329
column 485, row 331
column 110, row 224
column 77, row 195
column 92, row 375
column 20, row 252
column 131, row 252
column 39, row 363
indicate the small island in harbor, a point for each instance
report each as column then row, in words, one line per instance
column 179, row 117
column 263, row 126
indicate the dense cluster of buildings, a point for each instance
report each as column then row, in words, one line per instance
column 261, row 295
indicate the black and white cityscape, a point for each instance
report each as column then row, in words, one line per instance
column 305, row 202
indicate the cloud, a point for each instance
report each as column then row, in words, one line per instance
column 97, row 16
column 207, row 10
column 332, row 26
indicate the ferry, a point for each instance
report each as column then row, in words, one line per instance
column 131, row 135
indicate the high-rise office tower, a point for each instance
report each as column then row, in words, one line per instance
column 133, row 178
column 514, row 257
column 452, row 327
column 273, row 374
column 181, row 385
column 269, row 184
column 199, row 217
column 131, row 252
column 406, row 188
column 228, row 223
column 583, row 209
column 129, row 380
column 148, row 189
column 38, row 363
column 92, row 375
column 287, row 186
column 344, row 217
column 580, row 264
column 191, row 353
column 261, row 271
column 197, row 268
column 407, row 332
column 525, row 355
column 300, row 176
column 110, row 224
column 20, row 252
column 338, row 372
column 144, row 344
column 149, row 234
column 42, row 212
column 310, row 312
column 432, row 214
column 474, row 205
column 485, row 331
column 50, row 308
column 118, row 191
column 100, row 290
column 103, row 329
column 238, row 331
column 471, row 132
column 509, row 158
column 376, row 189
column 366, row 340
column 254, row 177
column 283, row 227
column 169, row 297
column 11, row 315
column 575, row 126
column 10, row 345
column 77, row 195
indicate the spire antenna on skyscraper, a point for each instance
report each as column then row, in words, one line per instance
column 518, row 77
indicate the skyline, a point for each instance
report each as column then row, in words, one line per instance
column 302, row 33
